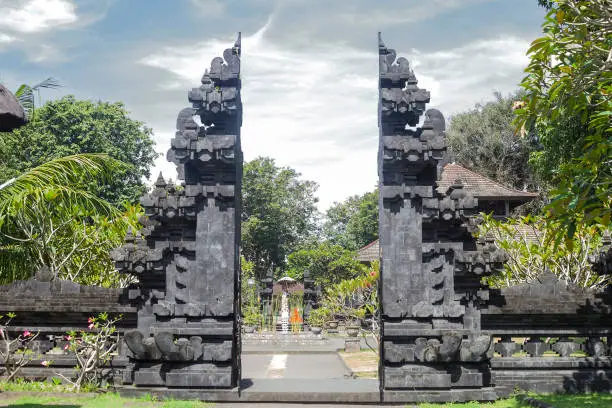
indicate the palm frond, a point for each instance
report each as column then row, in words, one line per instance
column 49, row 83
column 25, row 96
column 64, row 181
column 66, row 171
column 25, row 93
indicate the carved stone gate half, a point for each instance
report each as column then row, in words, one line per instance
column 187, row 258
column 430, row 264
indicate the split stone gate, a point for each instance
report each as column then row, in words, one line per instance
column 440, row 326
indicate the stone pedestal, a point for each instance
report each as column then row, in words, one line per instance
column 352, row 345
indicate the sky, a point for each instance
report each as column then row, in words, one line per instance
column 309, row 67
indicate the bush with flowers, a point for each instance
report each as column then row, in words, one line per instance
column 14, row 353
column 93, row 349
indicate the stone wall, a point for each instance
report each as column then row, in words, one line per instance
column 54, row 308
column 551, row 337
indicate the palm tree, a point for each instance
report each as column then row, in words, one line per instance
column 49, row 218
column 25, row 94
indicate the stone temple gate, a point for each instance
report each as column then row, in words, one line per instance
column 445, row 337
column 188, row 319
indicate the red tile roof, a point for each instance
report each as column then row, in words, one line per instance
column 371, row 252
column 478, row 185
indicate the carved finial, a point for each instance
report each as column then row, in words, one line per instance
column 129, row 236
column 237, row 44
column 381, row 44
column 44, row 274
column 160, row 182
column 437, row 120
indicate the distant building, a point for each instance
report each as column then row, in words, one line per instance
column 492, row 197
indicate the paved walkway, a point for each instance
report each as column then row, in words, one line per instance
column 293, row 366
column 278, row 345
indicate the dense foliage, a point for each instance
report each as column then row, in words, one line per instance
column 278, row 214
column 327, row 263
column 485, row 140
column 69, row 126
column 527, row 243
column 353, row 223
column 568, row 102
column 50, row 222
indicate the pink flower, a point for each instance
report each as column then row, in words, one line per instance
column 67, row 346
column 26, row 333
column 45, row 363
column 91, row 326
column 90, row 320
column 372, row 273
column 68, row 338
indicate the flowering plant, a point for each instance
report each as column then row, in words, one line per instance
column 93, row 349
column 13, row 352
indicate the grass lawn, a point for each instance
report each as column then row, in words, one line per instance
column 109, row 400
column 363, row 364
column 582, row 400
column 112, row 400
column 507, row 403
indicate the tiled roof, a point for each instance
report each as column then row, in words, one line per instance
column 478, row 185
column 371, row 252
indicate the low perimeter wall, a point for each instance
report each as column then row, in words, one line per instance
column 549, row 337
column 52, row 309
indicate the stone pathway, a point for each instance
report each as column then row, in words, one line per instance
column 293, row 366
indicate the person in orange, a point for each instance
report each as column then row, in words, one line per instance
column 295, row 319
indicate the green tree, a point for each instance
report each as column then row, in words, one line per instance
column 49, row 220
column 278, row 213
column 484, row 139
column 327, row 263
column 569, row 81
column 526, row 242
column 68, row 126
column 353, row 223
column 547, row 4
column 26, row 94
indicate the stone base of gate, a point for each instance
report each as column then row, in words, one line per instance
column 346, row 391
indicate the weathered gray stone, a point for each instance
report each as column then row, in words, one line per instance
column 431, row 265
column 187, row 260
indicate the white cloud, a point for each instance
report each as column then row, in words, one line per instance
column 5, row 38
column 405, row 12
column 211, row 8
column 29, row 16
column 315, row 109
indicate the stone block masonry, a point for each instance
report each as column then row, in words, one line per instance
column 187, row 258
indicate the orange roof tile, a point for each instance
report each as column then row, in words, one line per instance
column 478, row 185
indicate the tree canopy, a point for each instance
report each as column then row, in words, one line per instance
column 49, row 220
column 278, row 213
column 69, row 126
column 485, row 140
column 353, row 223
column 327, row 263
column 568, row 101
